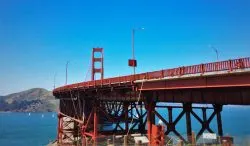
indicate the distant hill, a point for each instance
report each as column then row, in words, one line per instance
column 32, row 100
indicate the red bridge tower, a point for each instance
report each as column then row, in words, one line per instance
column 95, row 61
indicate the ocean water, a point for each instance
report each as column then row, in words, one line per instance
column 38, row 129
column 20, row 129
column 236, row 123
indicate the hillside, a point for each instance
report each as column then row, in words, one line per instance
column 32, row 100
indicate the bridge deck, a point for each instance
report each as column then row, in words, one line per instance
column 228, row 67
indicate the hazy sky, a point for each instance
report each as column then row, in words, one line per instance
column 38, row 37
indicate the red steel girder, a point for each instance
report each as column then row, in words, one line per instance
column 213, row 81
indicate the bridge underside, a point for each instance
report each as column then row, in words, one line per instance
column 90, row 115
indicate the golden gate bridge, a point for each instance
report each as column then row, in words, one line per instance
column 130, row 102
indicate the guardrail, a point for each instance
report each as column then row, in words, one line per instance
column 229, row 65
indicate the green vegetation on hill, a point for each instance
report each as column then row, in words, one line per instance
column 32, row 100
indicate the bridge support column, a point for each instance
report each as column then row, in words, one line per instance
column 125, row 106
column 96, row 117
column 188, row 108
column 59, row 129
column 218, row 109
column 150, row 107
column 141, row 126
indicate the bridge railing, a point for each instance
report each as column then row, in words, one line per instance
column 229, row 65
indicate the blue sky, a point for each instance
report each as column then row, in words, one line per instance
column 37, row 38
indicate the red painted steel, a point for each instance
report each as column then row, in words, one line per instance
column 157, row 90
column 95, row 125
column 229, row 65
column 149, row 122
column 218, row 81
column 96, row 59
column 66, row 130
column 157, row 135
column 59, row 128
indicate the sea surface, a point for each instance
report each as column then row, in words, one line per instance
column 38, row 129
column 22, row 129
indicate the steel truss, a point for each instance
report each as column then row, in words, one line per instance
column 132, row 117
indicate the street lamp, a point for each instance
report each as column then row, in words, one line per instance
column 55, row 80
column 67, row 72
column 132, row 62
column 216, row 51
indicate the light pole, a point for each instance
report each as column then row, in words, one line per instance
column 55, row 80
column 133, row 45
column 67, row 63
column 134, row 64
column 216, row 51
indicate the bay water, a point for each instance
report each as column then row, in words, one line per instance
column 38, row 129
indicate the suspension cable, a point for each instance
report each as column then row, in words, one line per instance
column 88, row 71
